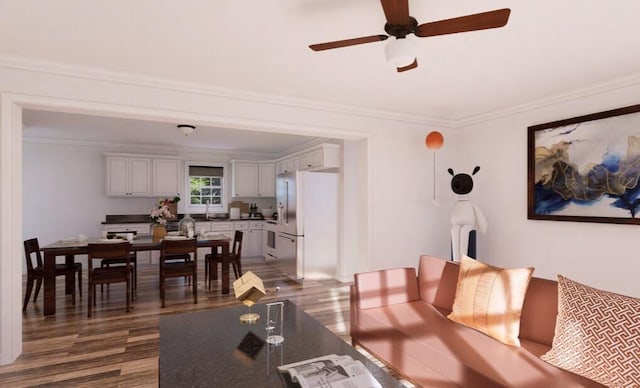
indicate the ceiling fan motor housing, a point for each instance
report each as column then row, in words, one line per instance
column 403, row 30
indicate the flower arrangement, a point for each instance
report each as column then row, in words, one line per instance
column 160, row 214
column 167, row 201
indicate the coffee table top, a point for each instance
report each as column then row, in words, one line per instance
column 213, row 349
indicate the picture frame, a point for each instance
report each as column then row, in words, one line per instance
column 585, row 168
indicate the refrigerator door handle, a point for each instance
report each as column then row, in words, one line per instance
column 286, row 204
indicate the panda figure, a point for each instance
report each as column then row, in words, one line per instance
column 466, row 215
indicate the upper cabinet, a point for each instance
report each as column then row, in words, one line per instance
column 128, row 176
column 244, row 179
column 166, row 177
column 266, row 180
column 288, row 165
column 142, row 176
column 253, row 179
column 326, row 157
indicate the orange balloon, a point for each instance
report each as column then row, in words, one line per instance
column 434, row 140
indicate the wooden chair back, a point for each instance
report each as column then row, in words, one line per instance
column 178, row 247
column 109, row 251
column 31, row 246
column 236, row 248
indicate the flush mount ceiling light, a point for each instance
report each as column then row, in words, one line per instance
column 400, row 52
column 186, row 129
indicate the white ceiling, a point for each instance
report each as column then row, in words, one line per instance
column 548, row 48
column 96, row 129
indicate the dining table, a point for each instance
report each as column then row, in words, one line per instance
column 69, row 248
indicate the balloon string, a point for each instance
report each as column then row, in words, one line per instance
column 434, row 176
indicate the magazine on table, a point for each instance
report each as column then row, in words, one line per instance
column 331, row 371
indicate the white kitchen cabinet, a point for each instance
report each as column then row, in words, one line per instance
column 253, row 179
column 325, row 157
column 266, row 180
column 128, row 176
column 244, row 179
column 143, row 257
column 252, row 240
column 288, row 165
column 166, row 177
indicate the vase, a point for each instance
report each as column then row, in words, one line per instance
column 158, row 232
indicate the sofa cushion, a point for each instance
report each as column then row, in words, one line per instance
column 597, row 334
column 391, row 286
column 489, row 299
column 437, row 280
column 538, row 319
column 416, row 333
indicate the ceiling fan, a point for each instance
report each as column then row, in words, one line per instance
column 400, row 24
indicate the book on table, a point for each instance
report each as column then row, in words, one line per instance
column 331, row 371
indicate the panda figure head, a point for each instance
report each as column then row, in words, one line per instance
column 462, row 183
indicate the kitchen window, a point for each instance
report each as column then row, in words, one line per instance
column 206, row 186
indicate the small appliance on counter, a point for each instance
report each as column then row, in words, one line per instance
column 234, row 213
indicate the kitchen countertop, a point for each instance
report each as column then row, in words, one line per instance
column 145, row 219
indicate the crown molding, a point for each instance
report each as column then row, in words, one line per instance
column 56, row 68
column 150, row 149
column 591, row 90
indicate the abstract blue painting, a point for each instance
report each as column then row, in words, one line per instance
column 586, row 168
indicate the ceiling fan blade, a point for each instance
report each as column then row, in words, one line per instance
column 478, row 21
column 408, row 67
column 347, row 42
column 396, row 12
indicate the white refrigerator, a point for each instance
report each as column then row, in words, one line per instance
column 307, row 230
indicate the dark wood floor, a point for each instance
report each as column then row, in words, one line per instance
column 114, row 348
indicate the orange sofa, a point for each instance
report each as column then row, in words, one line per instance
column 400, row 317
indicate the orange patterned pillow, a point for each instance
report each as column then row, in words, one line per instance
column 597, row 334
column 489, row 299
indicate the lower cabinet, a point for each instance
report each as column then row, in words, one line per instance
column 143, row 257
column 253, row 240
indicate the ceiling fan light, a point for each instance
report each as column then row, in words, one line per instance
column 186, row 129
column 400, row 52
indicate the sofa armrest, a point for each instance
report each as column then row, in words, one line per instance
column 385, row 287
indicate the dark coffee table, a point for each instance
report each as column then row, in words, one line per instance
column 213, row 349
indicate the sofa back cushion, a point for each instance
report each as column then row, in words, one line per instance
column 437, row 281
column 538, row 319
column 386, row 287
column 437, row 284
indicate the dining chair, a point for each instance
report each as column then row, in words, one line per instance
column 133, row 258
column 170, row 267
column 111, row 274
column 134, row 261
column 235, row 255
column 36, row 273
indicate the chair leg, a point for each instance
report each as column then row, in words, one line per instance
column 239, row 268
column 38, row 285
column 73, row 293
column 80, row 280
column 235, row 269
column 206, row 269
column 128, row 291
column 91, row 291
column 214, row 270
column 27, row 293
column 195, row 285
column 162, row 290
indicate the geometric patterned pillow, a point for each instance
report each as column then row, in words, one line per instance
column 597, row 334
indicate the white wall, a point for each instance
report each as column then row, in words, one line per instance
column 399, row 224
column 601, row 255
